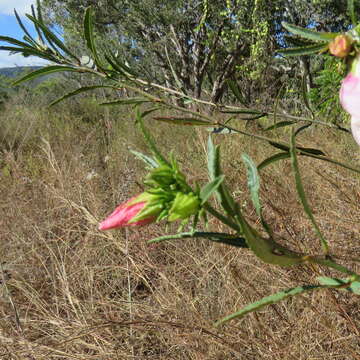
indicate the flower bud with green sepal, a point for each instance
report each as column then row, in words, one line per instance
column 341, row 46
column 184, row 206
column 139, row 210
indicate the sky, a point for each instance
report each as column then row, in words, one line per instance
column 10, row 27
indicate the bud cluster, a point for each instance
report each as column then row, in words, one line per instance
column 168, row 196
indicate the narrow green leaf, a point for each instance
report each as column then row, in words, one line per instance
column 244, row 111
column 89, row 35
column 272, row 159
column 23, row 27
column 277, row 101
column 354, row 287
column 351, row 11
column 309, row 34
column 268, row 300
column 324, row 280
column 303, row 50
column 115, row 67
column 267, row 249
column 302, row 128
column 51, row 37
column 296, row 41
column 277, row 145
column 152, row 163
column 213, row 159
column 236, row 91
column 126, row 101
column 119, row 65
column 221, row 238
column 210, row 188
column 29, row 52
column 254, row 187
column 304, row 151
column 279, row 125
column 182, row 120
column 79, row 91
column 44, row 71
column 341, row 284
column 149, row 140
column 302, row 196
column 254, row 117
column 13, row 41
column 39, row 18
column 304, row 92
column 173, row 72
column 214, row 169
column 253, row 182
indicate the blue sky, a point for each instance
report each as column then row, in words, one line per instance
column 10, row 27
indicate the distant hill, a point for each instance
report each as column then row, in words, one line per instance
column 17, row 72
column 13, row 72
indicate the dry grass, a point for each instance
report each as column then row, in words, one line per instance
column 72, row 292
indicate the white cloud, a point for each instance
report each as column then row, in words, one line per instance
column 7, row 60
column 21, row 6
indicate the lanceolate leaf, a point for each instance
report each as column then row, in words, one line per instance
column 23, row 27
column 126, row 101
column 28, row 51
column 351, row 11
column 152, row 163
column 182, row 120
column 302, row 128
column 51, row 37
column 119, row 65
column 253, row 182
column 221, row 238
column 45, row 71
column 80, row 90
column 268, row 300
column 38, row 30
column 303, row 150
column 279, row 125
column 342, row 284
column 273, row 158
column 308, row 33
column 236, row 91
column 305, row 95
column 13, row 41
column 209, row 188
column 222, row 193
column 254, row 186
column 303, row 50
column 302, row 196
column 89, row 35
column 148, row 138
column 244, row 111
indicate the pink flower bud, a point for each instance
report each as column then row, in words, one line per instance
column 350, row 98
column 341, row 46
column 126, row 212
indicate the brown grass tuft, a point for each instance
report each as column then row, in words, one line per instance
column 69, row 291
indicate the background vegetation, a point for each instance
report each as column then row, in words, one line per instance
column 72, row 292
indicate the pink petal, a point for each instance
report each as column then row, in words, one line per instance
column 355, row 128
column 350, row 94
column 122, row 215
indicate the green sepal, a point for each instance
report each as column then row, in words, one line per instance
column 184, row 206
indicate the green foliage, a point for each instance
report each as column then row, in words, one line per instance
column 325, row 96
